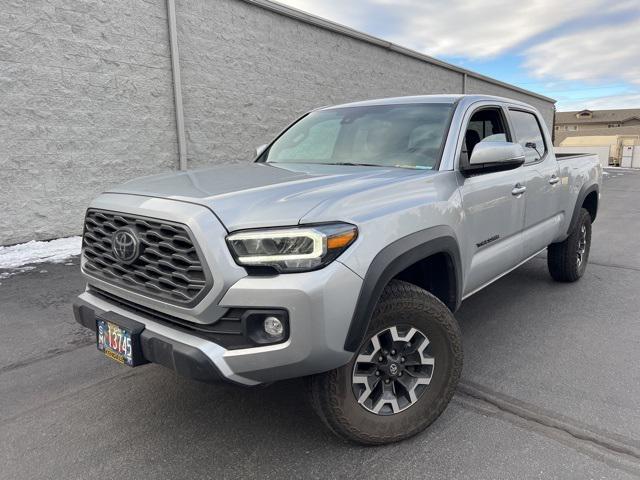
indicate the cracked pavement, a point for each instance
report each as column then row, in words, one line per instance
column 550, row 388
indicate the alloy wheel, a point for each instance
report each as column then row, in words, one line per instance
column 582, row 245
column 392, row 370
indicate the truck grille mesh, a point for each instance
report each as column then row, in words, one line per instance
column 167, row 267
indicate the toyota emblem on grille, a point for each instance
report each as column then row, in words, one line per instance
column 125, row 245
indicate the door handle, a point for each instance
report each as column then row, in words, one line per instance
column 554, row 179
column 518, row 189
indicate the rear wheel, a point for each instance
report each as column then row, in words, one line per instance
column 403, row 375
column 567, row 261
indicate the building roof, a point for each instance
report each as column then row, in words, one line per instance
column 598, row 116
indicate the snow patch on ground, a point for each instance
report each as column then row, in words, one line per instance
column 16, row 257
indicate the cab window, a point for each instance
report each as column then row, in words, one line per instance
column 528, row 133
column 485, row 125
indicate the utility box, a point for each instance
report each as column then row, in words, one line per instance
column 627, row 156
column 635, row 160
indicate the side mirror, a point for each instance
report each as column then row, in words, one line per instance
column 261, row 149
column 493, row 157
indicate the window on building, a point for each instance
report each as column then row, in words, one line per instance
column 528, row 133
column 571, row 128
column 613, row 125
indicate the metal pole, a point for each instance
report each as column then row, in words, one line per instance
column 177, row 84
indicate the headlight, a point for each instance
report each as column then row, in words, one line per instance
column 297, row 249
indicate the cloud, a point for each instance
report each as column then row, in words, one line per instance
column 481, row 29
column 593, row 55
column 462, row 28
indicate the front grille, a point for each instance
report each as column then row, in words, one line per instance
column 167, row 266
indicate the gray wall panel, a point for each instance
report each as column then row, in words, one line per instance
column 86, row 103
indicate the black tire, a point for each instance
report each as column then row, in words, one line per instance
column 567, row 261
column 402, row 305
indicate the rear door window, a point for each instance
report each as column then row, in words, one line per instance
column 528, row 133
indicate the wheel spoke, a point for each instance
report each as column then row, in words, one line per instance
column 367, row 358
column 409, row 386
column 428, row 360
column 418, row 374
column 369, row 386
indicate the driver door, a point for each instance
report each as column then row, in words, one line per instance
column 493, row 211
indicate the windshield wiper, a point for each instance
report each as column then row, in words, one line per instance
column 408, row 167
column 354, row 164
column 414, row 167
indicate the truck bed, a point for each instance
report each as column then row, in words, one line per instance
column 567, row 156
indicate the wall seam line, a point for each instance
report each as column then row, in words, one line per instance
column 177, row 84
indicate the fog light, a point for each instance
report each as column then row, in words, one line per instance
column 273, row 327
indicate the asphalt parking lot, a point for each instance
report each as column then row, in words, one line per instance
column 550, row 389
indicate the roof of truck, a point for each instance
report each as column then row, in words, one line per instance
column 423, row 99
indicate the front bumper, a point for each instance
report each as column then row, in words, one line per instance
column 320, row 305
column 185, row 359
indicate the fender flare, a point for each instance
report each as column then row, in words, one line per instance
column 392, row 260
column 582, row 194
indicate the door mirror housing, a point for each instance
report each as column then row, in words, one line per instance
column 493, row 157
column 261, row 149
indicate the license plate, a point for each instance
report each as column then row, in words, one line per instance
column 115, row 342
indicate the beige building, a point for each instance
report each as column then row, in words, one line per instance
column 619, row 130
column 596, row 123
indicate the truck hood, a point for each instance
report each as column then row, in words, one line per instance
column 263, row 195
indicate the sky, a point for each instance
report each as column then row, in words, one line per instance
column 584, row 54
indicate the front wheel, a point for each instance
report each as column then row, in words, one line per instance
column 403, row 375
column 567, row 260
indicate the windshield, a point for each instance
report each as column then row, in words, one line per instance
column 409, row 136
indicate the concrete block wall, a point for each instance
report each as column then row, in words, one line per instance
column 248, row 72
column 86, row 102
column 87, row 98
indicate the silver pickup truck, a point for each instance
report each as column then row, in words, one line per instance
column 340, row 254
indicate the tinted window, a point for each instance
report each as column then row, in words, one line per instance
column 408, row 136
column 528, row 134
column 485, row 125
